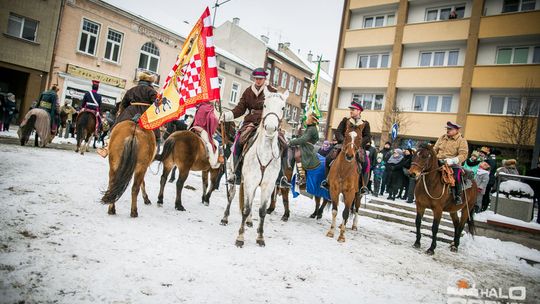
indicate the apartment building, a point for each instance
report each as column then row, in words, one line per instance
column 427, row 62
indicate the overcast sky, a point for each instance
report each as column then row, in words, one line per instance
column 306, row 24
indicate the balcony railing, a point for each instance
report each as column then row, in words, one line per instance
column 450, row 30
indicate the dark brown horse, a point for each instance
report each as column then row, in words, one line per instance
column 86, row 128
column 343, row 178
column 432, row 193
column 186, row 151
column 131, row 151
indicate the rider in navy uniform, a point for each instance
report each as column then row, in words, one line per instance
column 92, row 101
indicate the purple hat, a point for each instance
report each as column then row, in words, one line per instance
column 451, row 125
column 259, row 73
column 356, row 106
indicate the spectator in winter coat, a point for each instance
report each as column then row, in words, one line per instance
column 473, row 162
column 325, row 148
column 482, row 180
column 394, row 169
column 509, row 167
column 9, row 110
column 536, row 187
column 489, row 158
column 408, row 182
column 386, row 154
column 371, row 153
column 378, row 171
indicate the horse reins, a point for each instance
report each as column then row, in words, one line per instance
column 261, row 166
column 423, row 176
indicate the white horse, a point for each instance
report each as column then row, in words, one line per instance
column 262, row 163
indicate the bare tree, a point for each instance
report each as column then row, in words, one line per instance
column 519, row 125
column 398, row 116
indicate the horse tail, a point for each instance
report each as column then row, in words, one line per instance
column 470, row 223
column 124, row 172
column 168, row 149
column 27, row 129
column 81, row 125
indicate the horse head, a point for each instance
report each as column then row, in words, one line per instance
column 274, row 106
column 423, row 161
column 353, row 140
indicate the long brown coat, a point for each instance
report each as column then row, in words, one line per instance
column 253, row 103
column 142, row 93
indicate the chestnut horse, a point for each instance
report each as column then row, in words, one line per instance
column 131, row 151
column 86, row 127
column 433, row 194
column 343, row 178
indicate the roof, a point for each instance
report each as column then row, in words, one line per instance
column 313, row 66
column 293, row 61
column 233, row 57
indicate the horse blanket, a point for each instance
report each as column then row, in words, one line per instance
column 42, row 125
column 314, row 178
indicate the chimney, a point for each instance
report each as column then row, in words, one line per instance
column 310, row 56
column 283, row 46
column 236, row 21
column 325, row 65
column 265, row 39
column 280, row 47
column 286, row 45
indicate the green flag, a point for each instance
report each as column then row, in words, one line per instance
column 312, row 105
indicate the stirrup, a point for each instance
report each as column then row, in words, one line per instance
column 284, row 183
column 325, row 185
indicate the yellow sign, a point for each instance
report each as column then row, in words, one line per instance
column 93, row 75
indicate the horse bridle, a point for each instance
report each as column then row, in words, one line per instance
column 261, row 166
column 423, row 174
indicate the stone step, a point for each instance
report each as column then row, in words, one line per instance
column 404, row 213
column 447, row 231
column 406, row 206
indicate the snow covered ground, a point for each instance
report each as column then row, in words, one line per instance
column 58, row 244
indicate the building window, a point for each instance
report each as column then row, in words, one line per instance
column 370, row 101
column 518, row 5
column 288, row 112
column 149, row 58
column 518, row 55
column 235, row 90
column 432, row 103
column 298, row 87
column 443, row 13
column 238, row 71
column 89, row 37
column 114, row 43
column 438, row 58
column 284, row 80
column 221, row 81
column 294, row 113
column 373, row 61
column 275, row 78
column 379, row 21
column 222, row 64
column 514, row 105
column 22, row 27
column 324, row 100
column 292, row 81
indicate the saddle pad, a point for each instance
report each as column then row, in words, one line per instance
column 314, row 178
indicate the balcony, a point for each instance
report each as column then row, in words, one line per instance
column 430, row 77
column 358, row 4
column 513, row 24
column 486, row 128
column 375, row 118
column 450, row 30
column 421, row 124
column 506, row 76
column 380, row 36
column 363, row 78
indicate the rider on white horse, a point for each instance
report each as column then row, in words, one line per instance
column 252, row 101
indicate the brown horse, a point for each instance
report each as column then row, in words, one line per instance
column 432, row 193
column 131, row 151
column 86, row 127
column 186, row 151
column 344, row 177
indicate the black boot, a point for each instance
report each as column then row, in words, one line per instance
column 325, row 185
column 456, row 191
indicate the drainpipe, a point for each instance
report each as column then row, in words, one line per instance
column 49, row 80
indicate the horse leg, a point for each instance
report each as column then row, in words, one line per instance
column 285, row 198
column 321, row 209
column 225, row 219
column 204, row 177
column 457, row 232
column 356, row 207
column 245, row 211
column 162, row 182
column 112, row 209
column 418, row 222
column 317, row 205
column 265, row 195
column 137, row 181
column 36, row 144
column 173, row 175
column 437, row 214
column 144, row 194
column 182, row 176
column 273, row 199
column 214, row 177
column 348, row 198
column 335, row 203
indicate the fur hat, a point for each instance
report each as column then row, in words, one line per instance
column 475, row 154
column 509, row 162
column 144, row 76
column 311, row 119
column 485, row 150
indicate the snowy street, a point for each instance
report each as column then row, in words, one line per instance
column 58, row 244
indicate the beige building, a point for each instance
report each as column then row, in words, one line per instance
column 234, row 77
column 27, row 42
column 99, row 41
column 411, row 57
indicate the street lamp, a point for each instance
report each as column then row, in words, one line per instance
column 216, row 7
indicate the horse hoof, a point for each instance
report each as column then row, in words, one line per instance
column 430, row 252
column 269, row 210
column 453, row 248
column 416, row 245
column 249, row 224
column 239, row 244
column 341, row 239
column 284, row 218
column 330, row 234
column 134, row 214
column 354, row 228
column 180, row 208
column 313, row 215
column 261, row 243
column 111, row 212
column 171, row 181
column 224, row 222
column 319, row 216
column 147, row 202
column 206, row 203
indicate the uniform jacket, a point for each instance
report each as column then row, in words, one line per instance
column 342, row 128
column 253, row 102
column 450, row 147
column 89, row 103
